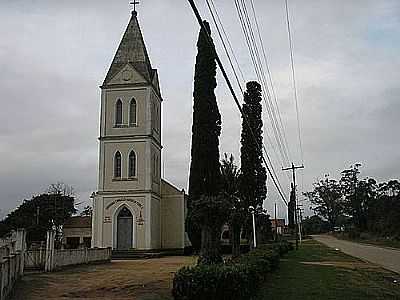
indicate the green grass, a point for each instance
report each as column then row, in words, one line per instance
column 295, row 280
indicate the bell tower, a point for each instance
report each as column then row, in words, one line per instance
column 126, row 207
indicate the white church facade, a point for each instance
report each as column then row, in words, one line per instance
column 134, row 208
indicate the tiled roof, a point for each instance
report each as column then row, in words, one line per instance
column 78, row 222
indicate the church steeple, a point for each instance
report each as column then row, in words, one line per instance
column 131, row 50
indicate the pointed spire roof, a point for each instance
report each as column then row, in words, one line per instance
column 132, row 50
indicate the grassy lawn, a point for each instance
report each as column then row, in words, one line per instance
column 318, row 272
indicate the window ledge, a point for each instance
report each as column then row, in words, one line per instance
column 125, row 179
column 120, row 126
column 124, row 125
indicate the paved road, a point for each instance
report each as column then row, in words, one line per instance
column 385, row 257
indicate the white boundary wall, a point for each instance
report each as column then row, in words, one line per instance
column 63, row 258
column 12, row 262
column 11, row 271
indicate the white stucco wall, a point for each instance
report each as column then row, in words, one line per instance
column 172, row 217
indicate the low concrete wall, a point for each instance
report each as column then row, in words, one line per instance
column 11, row 271
column 63, row 258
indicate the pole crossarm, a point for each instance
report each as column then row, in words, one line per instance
column 293, row 167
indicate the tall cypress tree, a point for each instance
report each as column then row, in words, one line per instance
column 205, row 176
column 253, row 189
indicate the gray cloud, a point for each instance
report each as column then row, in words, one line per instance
column 54, row 55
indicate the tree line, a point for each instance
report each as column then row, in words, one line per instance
column 358, row 204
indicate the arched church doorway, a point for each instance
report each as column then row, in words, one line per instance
column 124, row 229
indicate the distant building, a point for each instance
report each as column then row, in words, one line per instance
column 77, row 232
column 278, row 225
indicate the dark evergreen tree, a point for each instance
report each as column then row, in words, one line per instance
column 237, row 211
column 253, row 189
column 210, row 212
column 205, row 175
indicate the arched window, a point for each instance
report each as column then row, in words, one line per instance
column 118, row 113
column 132, row 113
column 132, row 164
column 117, row 165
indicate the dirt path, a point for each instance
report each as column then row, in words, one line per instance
column 138, row 279
column 385, row 257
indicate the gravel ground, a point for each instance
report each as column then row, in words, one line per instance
column 136, row 279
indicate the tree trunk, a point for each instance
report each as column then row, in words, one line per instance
column 235, row 231
column 210, row 240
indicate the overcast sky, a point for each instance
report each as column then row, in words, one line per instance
column 55, row 54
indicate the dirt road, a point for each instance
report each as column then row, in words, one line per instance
column 135, row 279
column 384, row 257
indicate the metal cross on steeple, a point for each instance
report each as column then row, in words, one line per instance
column 134, row 3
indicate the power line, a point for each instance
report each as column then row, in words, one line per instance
column 255, row 56
column 228, row 41
column 270, row 76
column 285, row 143
column 247, row 30
column 294, row 79
column 224, row 45
column 230, row 61
column 200, row 21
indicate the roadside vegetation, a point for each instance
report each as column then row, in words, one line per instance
column 360, row 209
column 318, row 272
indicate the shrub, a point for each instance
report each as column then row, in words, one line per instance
column 237, row 279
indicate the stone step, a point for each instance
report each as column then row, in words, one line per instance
column 132, row 256
column 144, row 254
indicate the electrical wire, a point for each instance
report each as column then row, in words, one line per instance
column 270, row 77
column 255, row 56
column 294, row 80
column 217, row 25
column 200, row 21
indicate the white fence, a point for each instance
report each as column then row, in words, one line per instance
column 56, row 259
column 14, row 258
column 63, row 258
column 35, row 259
column 11, row 270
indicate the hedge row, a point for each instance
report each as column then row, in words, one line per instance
column 235, row 280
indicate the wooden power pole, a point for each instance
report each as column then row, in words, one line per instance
column 294, row 168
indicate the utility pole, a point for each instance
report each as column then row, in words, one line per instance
column 294, row 168
column 276, row 226
column 252, row 211
column 300, row 211
column 37, row 214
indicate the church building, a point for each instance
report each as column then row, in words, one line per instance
column 134, row 208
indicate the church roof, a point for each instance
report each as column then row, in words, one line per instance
column 132, row 50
